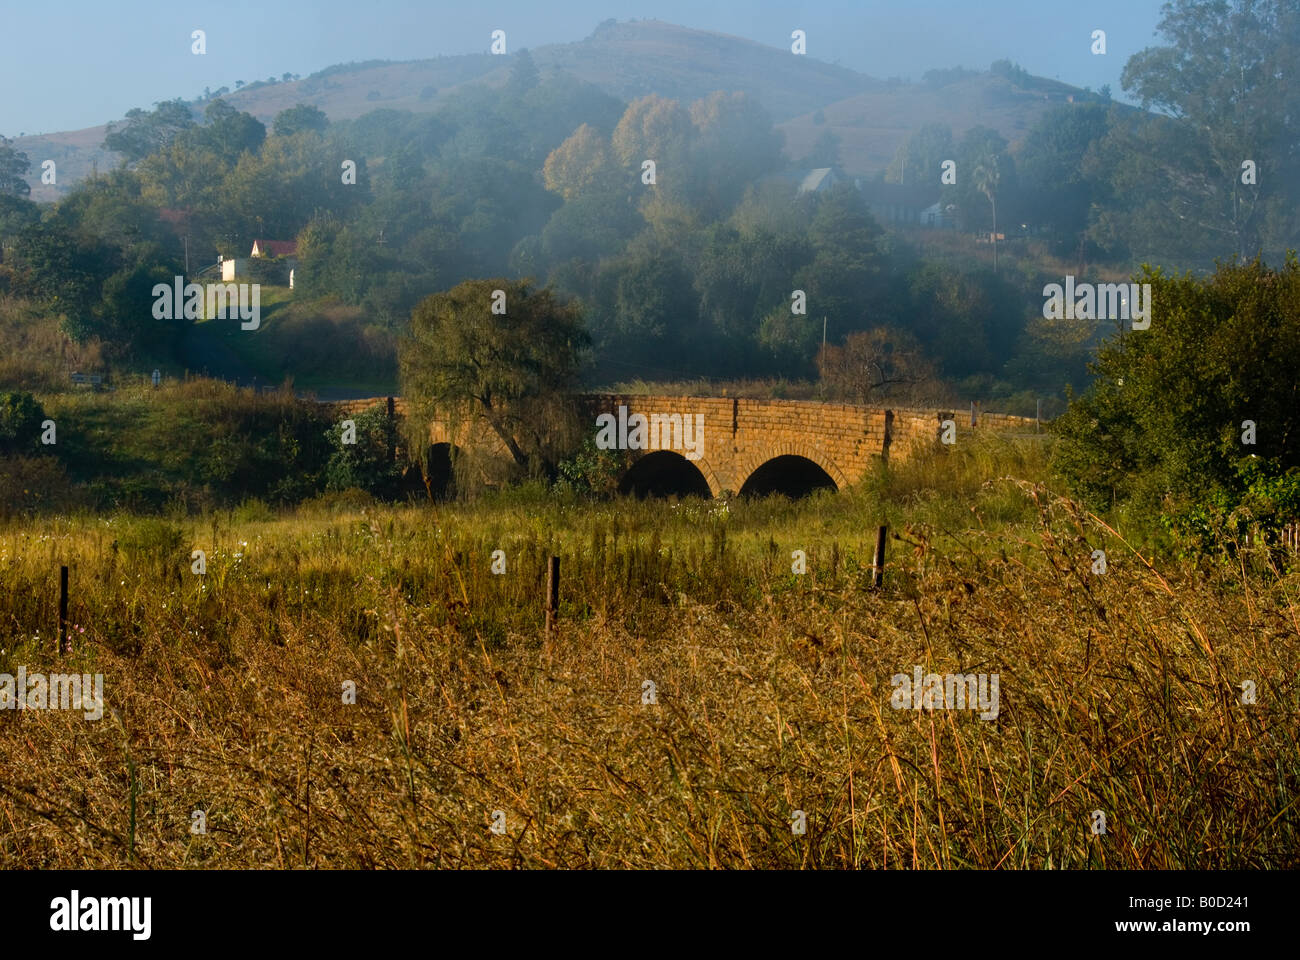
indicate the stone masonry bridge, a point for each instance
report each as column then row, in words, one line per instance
column 741, row 445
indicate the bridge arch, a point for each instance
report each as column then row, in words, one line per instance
column 439, row 469
column 789, row 456
column 668, row 473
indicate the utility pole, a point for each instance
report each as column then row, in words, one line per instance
column 821, row 384
column 187, row 255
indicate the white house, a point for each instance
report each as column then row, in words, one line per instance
column 233, row 268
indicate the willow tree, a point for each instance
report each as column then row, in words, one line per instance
column 500, row 356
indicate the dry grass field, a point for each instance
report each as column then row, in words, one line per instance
column 224, row 693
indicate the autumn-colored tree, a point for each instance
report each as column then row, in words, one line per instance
column 580, row 167
column 872, row 364
column 652, row 128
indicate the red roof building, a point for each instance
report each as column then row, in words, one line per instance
column 275, row 248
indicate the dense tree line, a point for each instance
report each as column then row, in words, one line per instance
column 675, row 226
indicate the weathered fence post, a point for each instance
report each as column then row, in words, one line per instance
column 552, row 593
column 878, row 561
column 63, row 608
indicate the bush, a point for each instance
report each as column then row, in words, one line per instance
column 1270, row 501
column 1161, row 428
column 156, row 544
column 200, row 441
column 592, row 470
column 20, row 423
column 253, row 510
column 366, row 464
column 33, row 484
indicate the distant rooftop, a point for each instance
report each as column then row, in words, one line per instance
column 275, row 248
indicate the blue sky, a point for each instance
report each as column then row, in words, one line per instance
column 78, row 63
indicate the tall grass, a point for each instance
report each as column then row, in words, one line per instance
column 1119, row 692
column 38, row 355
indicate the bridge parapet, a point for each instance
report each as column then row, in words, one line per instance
column 728, row 439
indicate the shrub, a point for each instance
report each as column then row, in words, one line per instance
column 20, row 423
column 592, row 470
column 32, row 484
column 154, row 543
column 365, row 464
column 253, row 510
column 1161, row 428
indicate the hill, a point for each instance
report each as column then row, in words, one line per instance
column 630, row 60
column 872, row 125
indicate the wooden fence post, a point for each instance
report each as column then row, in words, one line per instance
column 552, row 593
column 878, row 561
column 63, row 608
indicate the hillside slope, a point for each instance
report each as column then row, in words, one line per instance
column 872, row 125
column 628, row 60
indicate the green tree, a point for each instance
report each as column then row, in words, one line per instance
column 589, row 228
column 144, row 132
column 228, row 132
column 20, row 424
column 1223, row 94
column 62, row 272
column 13, row 170
column 845, row 281
column 919, row 160
column 124, row 315
column 1057, row 188
column 278, row 190
column 984, row 174
column 185, row 175
column 654, row 324
column 742, row 274
column 968, row 321
column 735, row 144
column 986, row 178
column 510, row 372
column 1161, row 425
column 523, row 74
column 302, row 116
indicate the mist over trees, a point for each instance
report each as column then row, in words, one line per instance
column 677, row 227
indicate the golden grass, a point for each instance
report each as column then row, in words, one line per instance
column 1119, row 692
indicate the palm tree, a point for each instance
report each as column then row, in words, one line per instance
column 986, row 176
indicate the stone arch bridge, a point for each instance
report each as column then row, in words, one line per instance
column 741, row 445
